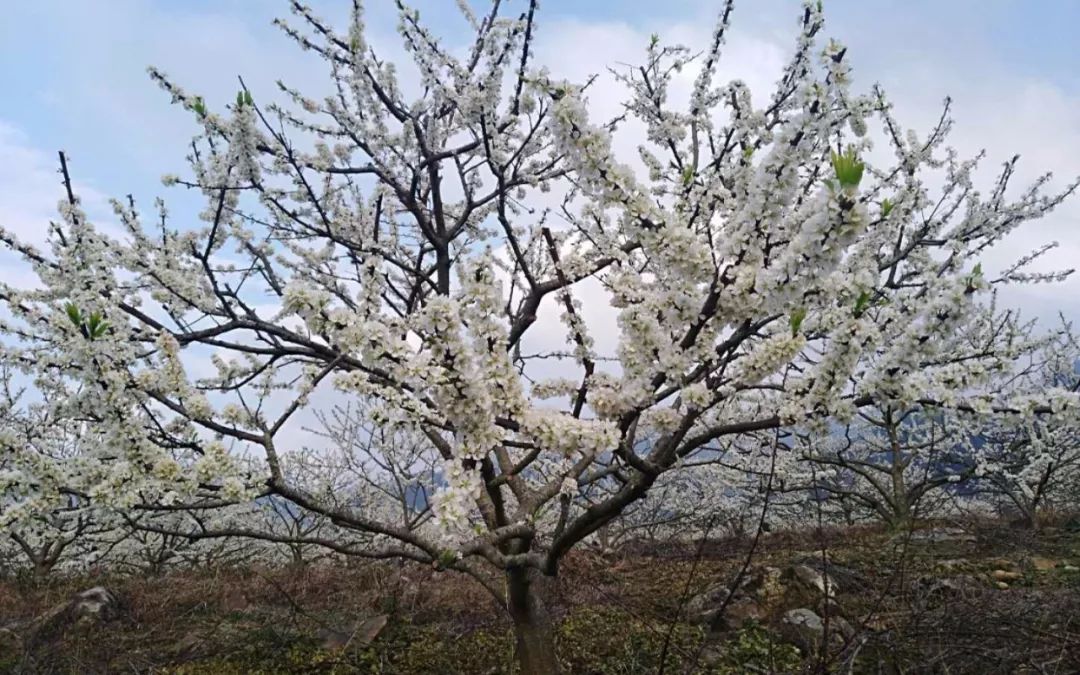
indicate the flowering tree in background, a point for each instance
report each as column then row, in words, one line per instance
column 398, row 246
column 897, row 452
column 45, row 524
column 1034, row 463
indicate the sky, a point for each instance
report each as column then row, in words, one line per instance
column 73, row 77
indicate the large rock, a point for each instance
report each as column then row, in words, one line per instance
column 812, row 580
column 90, row 607
column 704, row 606
column 804, row 628
column 94, row 605
column 932, row 591
column 845, row 577
column 764, row 594
column 755, row 597
column 766, row 585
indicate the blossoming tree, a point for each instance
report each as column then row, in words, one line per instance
column 44, row 524
column 397, row 245
column 1034, row 462
column 901, row 450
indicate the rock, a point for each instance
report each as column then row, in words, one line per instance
column 766, row 585
column 753, row 598
column 953, row 564
column 804, row 628
column 360, row 634
column 742, row 610
column 1042, row 564
column 702, row 608
column 1003, row 575
column 1070, row 568
column 706, row 607
column 846, row 577
column 938, row 535
column 812, row 580
column 828, row 607
column 1002, row 585
column 841, row 626
column 93, row 606
column 934, row 591
column 369, row 629
column 235, row 600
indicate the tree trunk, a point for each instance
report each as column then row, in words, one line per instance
column 901, row 506
column 901, row 515
column 42, row 570
column 533, row 628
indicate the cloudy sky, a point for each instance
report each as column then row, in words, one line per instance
column 73, row 77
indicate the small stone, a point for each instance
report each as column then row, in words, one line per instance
column 1043, row 564
column 939, row 535
column 1002, row 585
column 953, row 565
column 1003, row 575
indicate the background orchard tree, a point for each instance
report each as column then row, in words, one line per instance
column 686, row 504
column 891, row 463
column 396, row 245
column 134, row 550
column 154, row 539
column 356, row 465
column 1034, row 463
column 903, row 450
column 44, row 524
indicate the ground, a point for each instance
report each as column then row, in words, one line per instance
column 984, row 598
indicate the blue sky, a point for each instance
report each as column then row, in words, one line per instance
column 72, row 73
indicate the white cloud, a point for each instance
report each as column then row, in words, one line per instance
column 31, row 188
column 1039, row 121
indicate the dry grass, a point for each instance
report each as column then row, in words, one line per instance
column 268, row 620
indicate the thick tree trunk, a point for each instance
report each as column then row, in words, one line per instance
column 42, row 570
column 901, row 507
column 533, row 628
column 901, row 515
